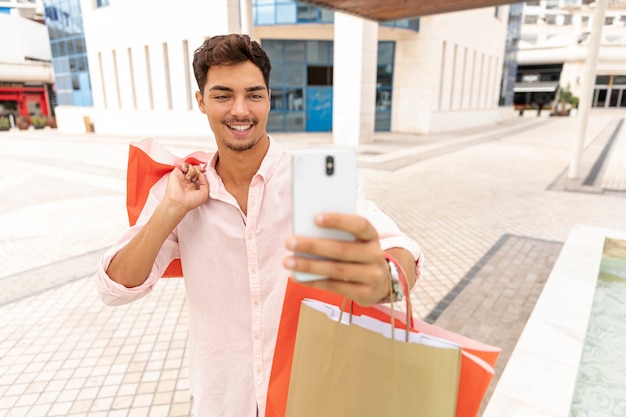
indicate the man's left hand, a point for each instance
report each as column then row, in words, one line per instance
column 356, row 269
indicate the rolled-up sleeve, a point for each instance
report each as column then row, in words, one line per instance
column 113, row 293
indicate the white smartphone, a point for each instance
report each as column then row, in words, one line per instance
column 323, row 180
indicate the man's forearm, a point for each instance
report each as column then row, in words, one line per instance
column 133, row 263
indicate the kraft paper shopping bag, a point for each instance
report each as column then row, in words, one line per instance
column 347, row 370
column 477, row 361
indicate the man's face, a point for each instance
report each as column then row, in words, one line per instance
column 237, row 104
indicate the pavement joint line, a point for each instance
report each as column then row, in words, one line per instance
column 592, row 176
column 436, row 312
column 394, row 160
column 590, row 156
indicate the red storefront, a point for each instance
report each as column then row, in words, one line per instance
column 25, row 100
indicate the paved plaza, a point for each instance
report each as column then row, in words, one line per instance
column 491, row 208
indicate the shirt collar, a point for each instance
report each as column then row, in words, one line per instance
column 271, row 160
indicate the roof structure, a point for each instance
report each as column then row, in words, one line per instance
column 401, row 9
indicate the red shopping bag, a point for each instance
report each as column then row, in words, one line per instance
column 477, row 360
column 148, row 161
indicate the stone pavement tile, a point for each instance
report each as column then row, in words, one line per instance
column 494, row 300
column 62, row 352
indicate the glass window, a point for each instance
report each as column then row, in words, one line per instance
column 327, row 15
column 285, row 13
column 603, row 79
column 294, row 122
column 622, row 102
column 318, row 52
column 265, row 15
column 277, row 101
column 383, row 100
column 307, row 13
column 294, row 74
column 274, row 51
column 102, row 3
column 600, row 97
column 294, row 99
column 275, row 122
column 277, row 76
column 385, row 53
column 319, row 75
column 382, row 122
column 619, row 80
column 531, row 19
column 294, row 51
column 384, row 76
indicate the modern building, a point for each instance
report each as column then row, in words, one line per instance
column 330, row 70
column 554, row 47
column 69, row 55
column 26, row 74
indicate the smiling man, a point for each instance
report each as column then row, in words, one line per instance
column 230, row 226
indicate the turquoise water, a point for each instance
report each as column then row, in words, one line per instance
column 601, row 385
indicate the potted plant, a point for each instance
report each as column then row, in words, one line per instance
column 5, row 123
column 565, row 102
column 51, row 122
column 22, row 122
column 38, row 122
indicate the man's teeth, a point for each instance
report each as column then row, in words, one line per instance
column 240, row 128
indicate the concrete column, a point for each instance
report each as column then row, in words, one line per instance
column 589, row 81
column 354, row 84
column 246, row 18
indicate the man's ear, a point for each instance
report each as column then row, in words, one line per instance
column 200, row 101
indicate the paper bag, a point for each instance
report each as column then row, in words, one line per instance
column 346, row 370
column 148, row 161
column 477, row 360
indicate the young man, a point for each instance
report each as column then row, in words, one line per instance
column 231, row 226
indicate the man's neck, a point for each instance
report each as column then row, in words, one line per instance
column 238, row 167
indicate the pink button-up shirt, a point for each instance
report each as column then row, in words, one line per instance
column 234, row 281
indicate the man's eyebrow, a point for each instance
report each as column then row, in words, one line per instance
column 220, row 88
column 256, row 88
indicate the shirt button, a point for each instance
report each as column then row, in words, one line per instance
column 258, row 371
column 255, row 303
column 253, row 271
column 250, row 237
column 257, row 336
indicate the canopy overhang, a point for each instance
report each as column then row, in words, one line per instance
column 401, row 9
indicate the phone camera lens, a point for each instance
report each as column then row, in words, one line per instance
column 330, row 165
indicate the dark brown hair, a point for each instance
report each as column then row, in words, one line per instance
column 229, row 50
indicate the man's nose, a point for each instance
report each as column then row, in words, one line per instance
column 240, row 107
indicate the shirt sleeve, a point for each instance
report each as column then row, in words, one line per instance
column 113, row 293
column 389, row 233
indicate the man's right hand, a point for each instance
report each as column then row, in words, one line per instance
column 187, row 187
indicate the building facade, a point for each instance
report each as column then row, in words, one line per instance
column 554, row 47
column 331, row 71
column 26, row 74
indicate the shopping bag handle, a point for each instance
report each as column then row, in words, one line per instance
column 407, row 299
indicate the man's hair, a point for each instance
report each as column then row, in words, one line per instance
column 229, row 50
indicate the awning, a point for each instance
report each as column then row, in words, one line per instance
column 538, row 87
column 402, row 9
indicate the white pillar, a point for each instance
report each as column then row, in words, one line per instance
column 246, row 17
column 354, row 79
column 589, row 81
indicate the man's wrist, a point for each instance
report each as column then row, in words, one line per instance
column 395, row 281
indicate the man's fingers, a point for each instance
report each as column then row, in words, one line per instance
column 358, row 226
column 346, row 251
column 339, row 271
